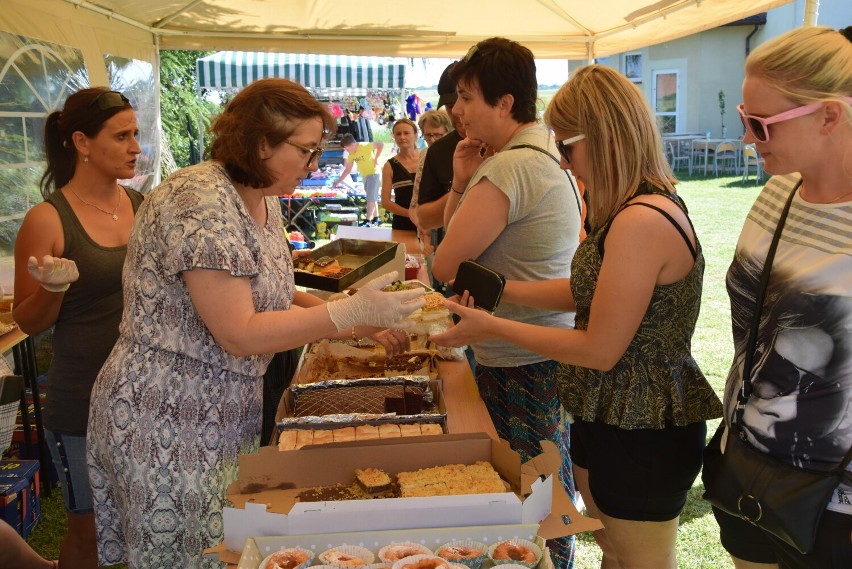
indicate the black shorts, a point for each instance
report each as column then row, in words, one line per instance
column 832, row 550
column 640, row 474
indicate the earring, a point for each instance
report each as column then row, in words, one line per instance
column 85, row 158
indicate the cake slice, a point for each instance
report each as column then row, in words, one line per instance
column 373, row 480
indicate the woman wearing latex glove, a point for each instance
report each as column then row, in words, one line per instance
column 68, row 258
column 210, row 297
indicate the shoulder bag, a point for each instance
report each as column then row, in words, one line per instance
column 779, row 498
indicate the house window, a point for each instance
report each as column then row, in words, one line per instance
column 633, row 67
column 665, row 95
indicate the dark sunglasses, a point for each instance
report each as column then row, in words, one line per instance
column 564, row 146
column 315, row 153
column 109, row 100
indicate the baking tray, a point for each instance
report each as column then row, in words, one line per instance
column 362, row 256
column 436, row 413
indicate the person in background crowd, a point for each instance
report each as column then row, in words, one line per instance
column 518, row 215
column 398, row 174
column 81, row 228
column 797, row 111
column 637, row 397
column 209, row 297
column 433, row 184
column 366, row 155
column 434, row 125
column 412, row 106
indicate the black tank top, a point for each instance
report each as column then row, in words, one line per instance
column 87, row 325
column 403, row 189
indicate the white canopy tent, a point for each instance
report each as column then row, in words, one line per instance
column 550, row 28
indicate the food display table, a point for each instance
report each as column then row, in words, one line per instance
column 308, row 206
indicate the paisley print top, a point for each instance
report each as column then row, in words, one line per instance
column 656, row 381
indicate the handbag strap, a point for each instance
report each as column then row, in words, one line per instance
column 552, row 157
column 746, row 390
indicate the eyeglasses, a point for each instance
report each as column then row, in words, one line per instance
column 564, row 146
column 758, row 127
column 433, row 135
column 315, row 153
column 109, row 100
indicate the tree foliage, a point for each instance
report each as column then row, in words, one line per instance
column 185, row 112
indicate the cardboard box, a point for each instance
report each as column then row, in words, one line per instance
column 20, row 502
column 257, row 548
column 265, row 501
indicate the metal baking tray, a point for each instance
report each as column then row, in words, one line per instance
column 362, row 256
column 343, row 403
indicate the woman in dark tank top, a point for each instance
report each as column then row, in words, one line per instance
column 69, row 255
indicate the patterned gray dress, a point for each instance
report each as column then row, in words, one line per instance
column 171, row 410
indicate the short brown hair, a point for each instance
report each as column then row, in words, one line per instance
column 268, row 109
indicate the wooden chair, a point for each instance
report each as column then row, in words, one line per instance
column 752, row 158
column 726, row 153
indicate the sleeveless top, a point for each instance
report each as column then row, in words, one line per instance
column 403, row 188
column 656, row 382
column 87, row 325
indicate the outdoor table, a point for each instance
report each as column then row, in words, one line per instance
column 709, row 144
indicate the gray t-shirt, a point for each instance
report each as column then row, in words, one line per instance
column 540, row 239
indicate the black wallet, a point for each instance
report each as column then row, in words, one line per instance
column 484, row 285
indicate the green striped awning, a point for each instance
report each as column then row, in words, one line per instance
column 236, row 69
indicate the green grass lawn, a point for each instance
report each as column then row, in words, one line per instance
column 718, row 207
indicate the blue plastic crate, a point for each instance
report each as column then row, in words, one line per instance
column 20, row 500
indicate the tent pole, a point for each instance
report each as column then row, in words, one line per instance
column 811, row 12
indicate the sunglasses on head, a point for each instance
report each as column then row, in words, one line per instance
column 471, row 53
column 758, row 127
column 564, row 146
column 314, row 153
column 109, row 100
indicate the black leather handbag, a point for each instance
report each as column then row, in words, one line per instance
column 784, row 500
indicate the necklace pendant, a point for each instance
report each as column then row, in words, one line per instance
column 114, row 217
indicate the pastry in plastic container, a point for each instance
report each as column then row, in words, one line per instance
column 396, row 551
column 464, row 551
column 515, row 551
column 292, row 558
column 424, row 561
column 347, row 556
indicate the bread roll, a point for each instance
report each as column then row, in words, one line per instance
column 410, row 430
column 389, row 431
column 304, row 437
column 287, row 440
column 344, row 434
column 322, row 436
column 431, row 429
column 366, row 432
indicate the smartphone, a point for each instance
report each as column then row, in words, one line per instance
column 483, row 284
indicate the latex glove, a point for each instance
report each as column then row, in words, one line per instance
column 372, row 307
column 55, row 273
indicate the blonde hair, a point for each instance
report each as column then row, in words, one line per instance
column 435, row 118
column 624, row 146
column 807, row 65
column 409, row 122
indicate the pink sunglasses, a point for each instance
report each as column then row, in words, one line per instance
column 758, row 127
